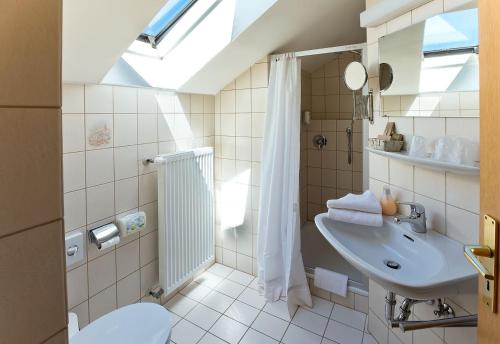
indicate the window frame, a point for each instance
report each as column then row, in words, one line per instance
column 474, row 49
column 155, row 40
column 469, row 46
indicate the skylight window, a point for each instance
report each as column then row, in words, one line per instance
column 454, row 31
column 203, row 32
column 165, row 20
column 196, row 38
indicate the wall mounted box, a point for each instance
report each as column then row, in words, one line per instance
column 74, row 248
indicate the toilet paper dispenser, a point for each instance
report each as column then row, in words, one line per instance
column 105, row 236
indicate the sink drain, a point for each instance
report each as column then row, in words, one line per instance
column 392, row 264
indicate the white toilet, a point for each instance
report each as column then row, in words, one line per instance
column 146, row 323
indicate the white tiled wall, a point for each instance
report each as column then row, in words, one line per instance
column 238, row 145
column 328, row 173
column 444, row 104
column 305, row 105
column 102, row 182
column 451, row 201
column 240, row 111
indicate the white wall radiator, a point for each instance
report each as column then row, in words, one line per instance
column 185, row 215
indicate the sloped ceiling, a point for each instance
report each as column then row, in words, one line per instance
column 97, row 32
column 204, row 43
column 289, row 25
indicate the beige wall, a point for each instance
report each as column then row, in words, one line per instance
column 32, row 287
column 109, row 180
column 451, row 201
column 240, row 110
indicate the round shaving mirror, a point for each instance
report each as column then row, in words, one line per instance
column 355, row 76
column 385, row 76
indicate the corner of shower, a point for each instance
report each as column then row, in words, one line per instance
column 332, row 159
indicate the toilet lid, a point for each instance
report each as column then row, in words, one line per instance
column 146, row 323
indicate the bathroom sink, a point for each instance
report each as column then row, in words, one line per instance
column 418, row 266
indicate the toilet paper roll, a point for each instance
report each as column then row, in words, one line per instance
column 109, row 243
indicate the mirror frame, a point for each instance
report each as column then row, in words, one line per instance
column 355, row 63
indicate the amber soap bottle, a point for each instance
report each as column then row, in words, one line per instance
column 389, row 206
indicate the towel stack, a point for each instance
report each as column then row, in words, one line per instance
column 361, row 209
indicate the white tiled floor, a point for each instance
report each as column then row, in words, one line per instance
column 223, row 306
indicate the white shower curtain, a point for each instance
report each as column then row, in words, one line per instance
column 280, row 266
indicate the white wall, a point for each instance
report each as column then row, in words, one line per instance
column 451, row 201
column 240, row 111
column 102, row 182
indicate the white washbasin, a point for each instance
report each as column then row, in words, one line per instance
column 431, row 265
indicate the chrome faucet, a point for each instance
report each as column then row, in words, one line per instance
column 416, row 219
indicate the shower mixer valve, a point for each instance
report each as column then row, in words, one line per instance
column 320, row 141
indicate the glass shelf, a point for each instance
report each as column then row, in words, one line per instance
column 429, row 163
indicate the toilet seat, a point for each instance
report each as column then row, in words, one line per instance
column 146, row 323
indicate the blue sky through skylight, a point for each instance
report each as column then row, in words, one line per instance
column 166, row 16
column 451, row 30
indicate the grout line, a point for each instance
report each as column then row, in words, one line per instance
column 260, row 311
column 85, row 193
column 263, row 311
column 31, row 107
column 34, row 227
column 61, row 331
column 138, row 192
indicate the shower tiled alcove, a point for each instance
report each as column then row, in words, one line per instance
column 326, row 173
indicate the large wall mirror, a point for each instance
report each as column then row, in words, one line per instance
column 432, row 68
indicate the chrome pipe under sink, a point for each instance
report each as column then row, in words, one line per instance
column 464, row 321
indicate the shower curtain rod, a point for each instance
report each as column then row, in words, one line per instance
column 339, row 49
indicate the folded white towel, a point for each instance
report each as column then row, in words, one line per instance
column 366, row 202
column 356, row 217
column 331, row 281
